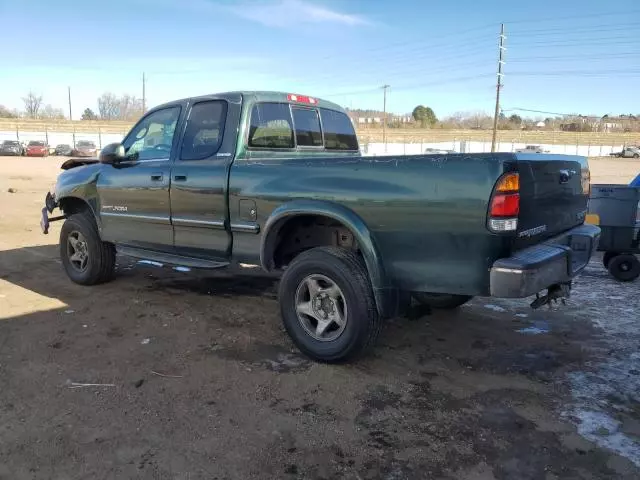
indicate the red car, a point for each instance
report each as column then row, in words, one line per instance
column 36, row 148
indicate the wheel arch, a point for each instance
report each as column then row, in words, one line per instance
column 72, row 204
column 386, row 298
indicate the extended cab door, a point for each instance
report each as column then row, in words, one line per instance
column 134, row 193
column 199, row 178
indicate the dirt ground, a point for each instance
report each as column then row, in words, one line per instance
column 199, row 381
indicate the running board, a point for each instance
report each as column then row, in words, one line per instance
column 169, row 258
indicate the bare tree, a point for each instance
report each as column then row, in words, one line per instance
column 32, row 104
column 108, row 106
column 6, row 113
column 52, row 113
column 126, row 107
column 130, row 107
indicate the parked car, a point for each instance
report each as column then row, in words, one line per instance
column 627, row 152
column 439, row 151
column 64, row 149
column 11, row 147
column 532, row 149
column 84, row 148
column 37, row 148
column 277, row 179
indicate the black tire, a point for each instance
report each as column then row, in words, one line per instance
column 636, row 155
column 101, row 256
column 624, row 267
column 606, row 258
column 362, row 322
column 443, row 301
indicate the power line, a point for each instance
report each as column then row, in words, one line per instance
column 573, row 57
column 585, row 29
column 607, row 41
column 576, row 72
column 572, row 17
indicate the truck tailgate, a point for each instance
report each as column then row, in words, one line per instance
column 553, row 195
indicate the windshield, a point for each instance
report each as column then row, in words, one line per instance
column 85, row 143
column 36, row 144
column 10, row 143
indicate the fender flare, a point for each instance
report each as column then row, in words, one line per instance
column 90, row 205
column 384, row 296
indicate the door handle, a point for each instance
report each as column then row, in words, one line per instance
column 156, row 177
column 180, row 178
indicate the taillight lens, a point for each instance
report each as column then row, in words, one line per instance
column 505, row 204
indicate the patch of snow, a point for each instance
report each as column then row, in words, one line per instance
column 521, row 315
column 145, row 341
column 532, row 331
column 182, row 269
column 495, row 308
column 150, row 262
column 604, row 431
column 69, row 311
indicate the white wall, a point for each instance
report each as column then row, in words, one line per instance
column 479, row 147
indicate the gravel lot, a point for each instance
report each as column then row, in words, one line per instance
column 202, row 382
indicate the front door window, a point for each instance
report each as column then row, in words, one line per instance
column 152, row 138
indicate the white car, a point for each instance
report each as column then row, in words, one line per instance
column 532, row 149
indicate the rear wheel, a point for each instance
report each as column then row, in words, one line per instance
column 327, row 304
column 442, row 301
column 606, row 258
column 85, row 257
column 624, row 267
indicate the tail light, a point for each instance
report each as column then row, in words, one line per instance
column 505, row 204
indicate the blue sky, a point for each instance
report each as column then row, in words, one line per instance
column 562, row 56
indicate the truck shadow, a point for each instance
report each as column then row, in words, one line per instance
column 478, row 336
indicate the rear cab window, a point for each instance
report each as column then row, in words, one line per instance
column 339, row 133
column 286, row 126
column 271, row 126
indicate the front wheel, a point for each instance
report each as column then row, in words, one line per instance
column 443, row 301
column 327, row 304
column 624, row 267
column 85, row 257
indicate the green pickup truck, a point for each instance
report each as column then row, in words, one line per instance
column 277, row 179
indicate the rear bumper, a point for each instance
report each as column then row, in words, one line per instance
column 556, row 261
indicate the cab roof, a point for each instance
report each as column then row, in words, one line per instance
column 260, row 96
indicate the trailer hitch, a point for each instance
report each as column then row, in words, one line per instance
column 556, row 292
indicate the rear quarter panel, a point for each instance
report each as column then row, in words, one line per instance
column 427, row 213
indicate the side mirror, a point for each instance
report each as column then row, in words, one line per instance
column 112, row 154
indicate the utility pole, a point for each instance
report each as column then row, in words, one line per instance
column 144, row 93
column 498, row 87
column 384, row 117
column 69, row 90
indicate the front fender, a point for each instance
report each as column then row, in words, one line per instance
column 386, row 297
column 80, row 184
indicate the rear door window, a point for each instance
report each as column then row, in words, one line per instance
column 307, row 123
column 204, row 131
column 339, row 133
column 271, row 126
